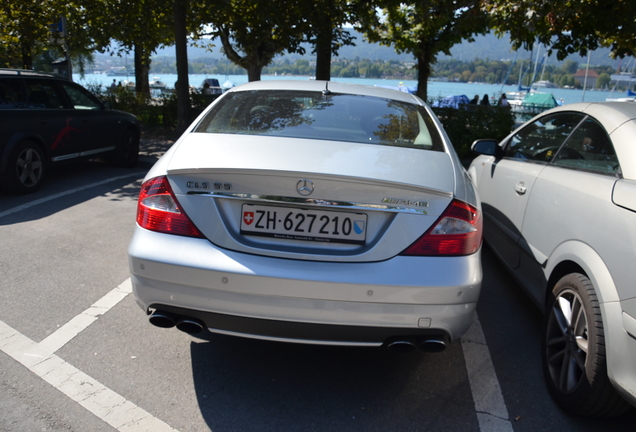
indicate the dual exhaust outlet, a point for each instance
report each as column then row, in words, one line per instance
column 165, row 319
column 192, row 326
column 429, row 344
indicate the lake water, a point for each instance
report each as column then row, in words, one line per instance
column 435, row 89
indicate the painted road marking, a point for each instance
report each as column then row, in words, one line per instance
column 492, row 413
column 124, row 415
column 68, row 192
column 107, row 405
column 75, row 326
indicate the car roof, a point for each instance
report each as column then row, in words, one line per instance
column 619, row 121
column 610, row 114
column 334, row 87
column 27, row 73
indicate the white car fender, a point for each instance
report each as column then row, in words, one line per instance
column 477, row 166
column 591, row 263
column 618, row 344
column 472, row 174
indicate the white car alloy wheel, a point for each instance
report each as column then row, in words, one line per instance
column 574, row 351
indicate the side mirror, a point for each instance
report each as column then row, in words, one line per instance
column 488, row 147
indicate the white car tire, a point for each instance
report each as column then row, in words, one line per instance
column 573, row 352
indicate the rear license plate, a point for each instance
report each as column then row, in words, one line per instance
column 304, row 224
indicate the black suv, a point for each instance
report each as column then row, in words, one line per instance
column 47, row 121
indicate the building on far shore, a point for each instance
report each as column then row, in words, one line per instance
column 592, row 76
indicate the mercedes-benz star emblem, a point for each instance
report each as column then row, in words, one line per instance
column 305, row 187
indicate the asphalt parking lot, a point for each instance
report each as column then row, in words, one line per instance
column 77, row 353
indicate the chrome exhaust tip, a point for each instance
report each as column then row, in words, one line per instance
column 401, row 344
column 431, row 344
column 190, row 325
column 162, row 319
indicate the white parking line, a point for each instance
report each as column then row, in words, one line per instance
column 68, row 192
column 107, row 405
column 492, row 413
column 75, row 326
column 124, row 415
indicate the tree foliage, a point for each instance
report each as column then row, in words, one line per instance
column 139, row 27
column 423, row 28
column 25, row 30
column 253, row 32
column 325, row 21
column 567, row 26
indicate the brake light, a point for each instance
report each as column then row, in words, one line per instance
column 158, row 210
column 457, row 232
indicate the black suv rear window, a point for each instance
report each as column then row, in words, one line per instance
column 12, row 94
column 44, row 94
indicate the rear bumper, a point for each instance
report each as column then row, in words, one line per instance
column 620, row 340
column 301, row 332
column 316, row 302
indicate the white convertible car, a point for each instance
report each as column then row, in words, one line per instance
column 313, row 212
column 559, row 203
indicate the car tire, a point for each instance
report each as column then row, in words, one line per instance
column 26, row 168
column 127, row 152
column 573, row 352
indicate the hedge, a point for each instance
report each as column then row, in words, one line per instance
column 472, row 122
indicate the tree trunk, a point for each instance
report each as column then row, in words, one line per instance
column 254, row 71
column 181, row 47
column 142, row 69
column 424, row 59
column 27, row 57
column 323, row 48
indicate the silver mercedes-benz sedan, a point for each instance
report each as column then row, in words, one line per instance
column 313, row 212
column 559, row 202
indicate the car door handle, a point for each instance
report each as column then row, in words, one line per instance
column 520, row 188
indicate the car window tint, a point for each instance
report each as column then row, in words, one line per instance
column 12, row 94
column 312, row 115
column 80, row 98
column 540, row 140
column 589, row 148
column 43, row 94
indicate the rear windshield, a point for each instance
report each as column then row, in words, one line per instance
column 312, row 115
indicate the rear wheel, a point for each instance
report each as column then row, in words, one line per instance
column 25, row 169
column 573, row 355
column 127, row 152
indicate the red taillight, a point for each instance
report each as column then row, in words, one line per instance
column 457, row 232
column 158, row 210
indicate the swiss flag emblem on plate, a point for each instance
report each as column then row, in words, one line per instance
column 248, row 217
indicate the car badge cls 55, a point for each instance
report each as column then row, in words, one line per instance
column 305, row 187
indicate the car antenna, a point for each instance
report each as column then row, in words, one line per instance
column 326, row 91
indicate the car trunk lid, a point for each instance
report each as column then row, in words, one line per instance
column 372, row 192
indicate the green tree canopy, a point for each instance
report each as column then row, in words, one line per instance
column 325, row 20
column 25, row 30
column 423, row 28
column 253, row 32
column 140, row 27
column 567, row 26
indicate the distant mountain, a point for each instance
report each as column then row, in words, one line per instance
column 484, row 47
column 491, row 47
